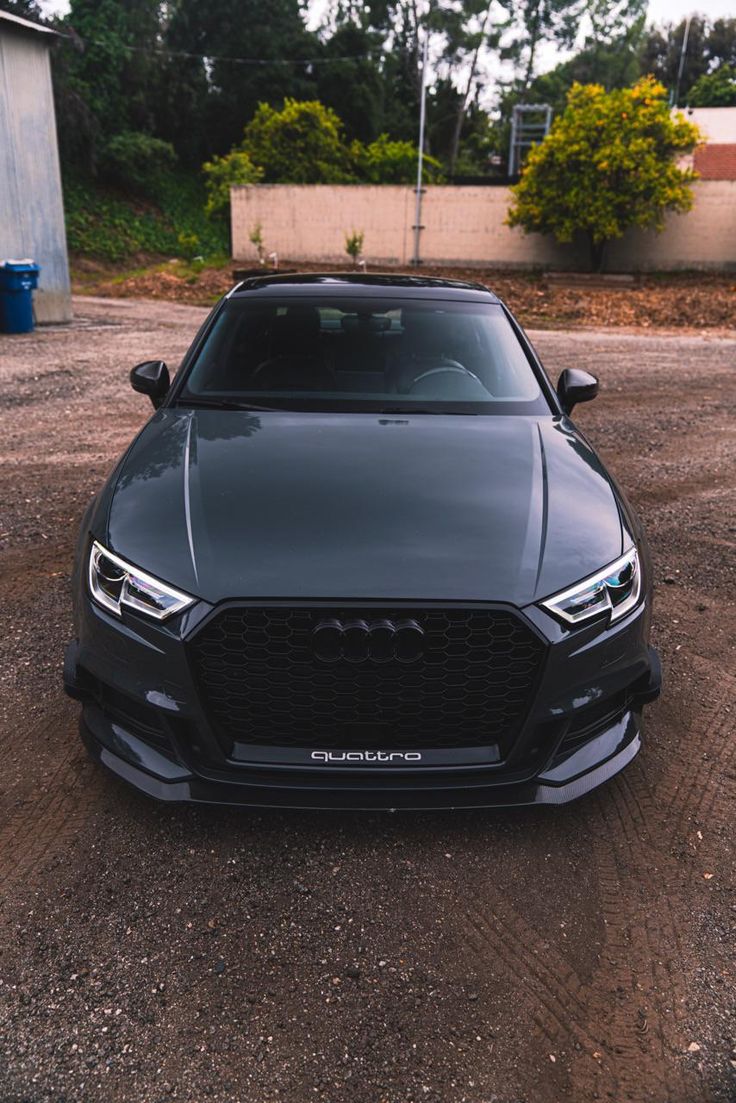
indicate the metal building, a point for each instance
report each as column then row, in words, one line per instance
column 31, row 208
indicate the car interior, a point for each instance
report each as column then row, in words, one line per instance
column 363, row 349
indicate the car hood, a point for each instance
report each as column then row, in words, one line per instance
column 228, row 504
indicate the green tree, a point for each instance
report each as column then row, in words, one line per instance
column 608, row 163
column 300, row 144
column 714, row 89
column 115, row 68
column 539, row 21
column 721, row 43
column 353, row 87
column 272, row 39
column 609, row 54
column 106, row 75
column 469, row 32
column 136, row 161
column 613, row 21
column 614, row 63
column 184, row 92
column 26, row 9
column 709, row 45
column 662, row 51
column 461, row 33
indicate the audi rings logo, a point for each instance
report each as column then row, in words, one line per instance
column 360, row 641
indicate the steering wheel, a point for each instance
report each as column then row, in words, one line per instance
column 450, row 367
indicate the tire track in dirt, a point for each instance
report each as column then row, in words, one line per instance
column 638, row 996
column 623, row 1028
column 49, row 817
column 496, row 933
column 702, row 780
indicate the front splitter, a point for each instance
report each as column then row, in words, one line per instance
column 164, row 779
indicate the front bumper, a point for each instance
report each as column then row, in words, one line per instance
column 158, row 776
column 583, row 727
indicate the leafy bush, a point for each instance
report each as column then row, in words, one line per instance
column 221, row 173
column 303, row 143
column 716, row 89
column 386, row 161
column 136, row 161
column 608, row 163
column 300, row 144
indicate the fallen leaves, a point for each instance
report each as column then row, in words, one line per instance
column 675, row 300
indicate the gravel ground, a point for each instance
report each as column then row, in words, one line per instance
column 154, row 953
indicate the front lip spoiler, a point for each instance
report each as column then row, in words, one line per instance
column 166, row 780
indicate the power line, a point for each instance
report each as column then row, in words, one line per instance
column 211, row 58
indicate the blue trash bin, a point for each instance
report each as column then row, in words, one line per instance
column 18, row 280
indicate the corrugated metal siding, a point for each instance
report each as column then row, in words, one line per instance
column 31, row 208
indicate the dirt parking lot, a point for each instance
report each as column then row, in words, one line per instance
column 154, row 953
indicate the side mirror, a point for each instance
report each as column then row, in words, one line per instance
column 151, row 378
column 575, row 386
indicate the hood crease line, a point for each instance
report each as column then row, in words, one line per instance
column 187, row 496
column 545, row 510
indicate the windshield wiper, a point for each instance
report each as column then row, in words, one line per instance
column 224, row 404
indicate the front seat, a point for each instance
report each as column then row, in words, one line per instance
column 295, row 362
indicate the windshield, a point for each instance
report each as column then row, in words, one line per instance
column 364, row 354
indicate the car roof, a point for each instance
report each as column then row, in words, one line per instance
column 380, row 285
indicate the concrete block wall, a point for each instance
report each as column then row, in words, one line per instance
column 705, row 237
column 464, row 225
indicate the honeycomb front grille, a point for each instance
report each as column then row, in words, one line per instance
column 262, row 681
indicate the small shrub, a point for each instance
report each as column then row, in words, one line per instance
column 354, row 245
column 256, row 239
column 189, row 244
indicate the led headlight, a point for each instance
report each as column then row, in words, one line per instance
column 615, row 589
column 113, row 583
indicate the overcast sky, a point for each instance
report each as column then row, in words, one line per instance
column 659, row 11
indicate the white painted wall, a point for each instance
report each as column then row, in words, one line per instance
column 718, row 124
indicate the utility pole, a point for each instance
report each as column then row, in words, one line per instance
column 416, row 259
column 681, row 66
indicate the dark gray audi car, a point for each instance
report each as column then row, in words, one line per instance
column 360, row 557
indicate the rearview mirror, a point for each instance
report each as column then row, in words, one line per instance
column 151, row 378
column 575, row 386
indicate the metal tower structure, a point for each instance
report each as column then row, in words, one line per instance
column 530, row 122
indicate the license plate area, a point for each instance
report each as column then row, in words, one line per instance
column 371, row 759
